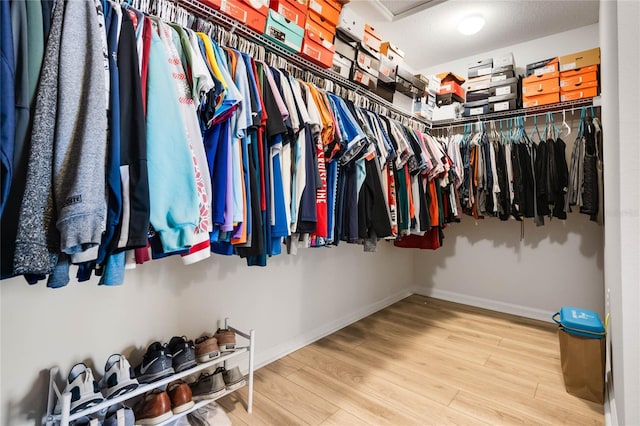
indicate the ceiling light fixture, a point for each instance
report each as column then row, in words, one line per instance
column 471, row 24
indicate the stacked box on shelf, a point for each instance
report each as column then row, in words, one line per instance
column 293, row 10
column 322, row 17
column 390, row 58
column 365, row 67
column 371, row 38
column 503, row 85
column 345, row 55
column 478, row 87
column 424, row 106
column 349, row 33
column 542, row 84
column 350, row 25
column 284, row 32
column 408, row 84
column 579, row 75
column 252, row 13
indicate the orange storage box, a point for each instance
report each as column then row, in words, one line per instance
column 317, row 50
column 252, row 13
column 579, row 71
column 211, row 3
column 291, row 10
column 581, row 93
column 319, row 26
column 546, row 99
column 328, row 9
column 371, row 38
column 578, row 82
column 541, row 87
column 452, row 87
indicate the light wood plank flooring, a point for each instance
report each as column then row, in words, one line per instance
column 420, row 361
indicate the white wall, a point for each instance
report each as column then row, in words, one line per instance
column 487, row 265
column 291, row 302
column 530, row 51
column 620, row 34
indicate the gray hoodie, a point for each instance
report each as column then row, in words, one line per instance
column 65, row 183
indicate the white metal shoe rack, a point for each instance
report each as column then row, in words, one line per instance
column 64, row 417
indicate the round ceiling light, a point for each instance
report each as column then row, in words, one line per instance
column 471, row 24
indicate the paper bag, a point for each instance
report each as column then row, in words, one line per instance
column 582, row 360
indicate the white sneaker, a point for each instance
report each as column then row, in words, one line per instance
column 118, row 377
column 83, row 388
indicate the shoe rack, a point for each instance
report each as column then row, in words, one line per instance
column 64, row 417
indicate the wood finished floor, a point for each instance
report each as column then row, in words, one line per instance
column 420, row 361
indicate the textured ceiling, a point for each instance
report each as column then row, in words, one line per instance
column 401, row 8
column 430, row 37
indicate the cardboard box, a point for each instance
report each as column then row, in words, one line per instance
column 328, row 9
column 580, row 59
column 534, row 78
column 367, row 60
column 476, row 108
column 452, row 87
column 543, row 67
column 506, row 105
column 480, row 68
column 371, row 38
column 317, row 50
column 448, row 99
column 434, row 83
column 408, row 84
column 363, row 78
column 285, row 33
column 320, row 27
column 450, row 76
column 351, row 24
column 422, row 109
column 582, row 93
column 478, row 83
column 393, row 53
column 580, row 71
column 342, row 65
column 540, row 100
column 505, row 60
column 477, row 95
column 502, row 75
column 291, row 10
column 344, row 47
column 541, row 87
column 589, row 79
column 502, row 98
column 253, row 15
column 386, row 90
column 387, row 70
column 504, row 87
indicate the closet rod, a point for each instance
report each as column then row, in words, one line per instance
column 218, row 18
column 524, row 112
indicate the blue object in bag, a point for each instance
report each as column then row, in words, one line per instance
column 581, row 322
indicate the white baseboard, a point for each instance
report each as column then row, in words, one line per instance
column 610, row 410
column 318, row 333
column 493, row 305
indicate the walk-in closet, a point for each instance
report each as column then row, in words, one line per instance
column 319, row 212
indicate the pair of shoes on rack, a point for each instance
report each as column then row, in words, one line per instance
column 162, row 360
column 209, row 348
column 116, row 415
column 158, row 406
column 213, row 385
column 83, row 388
column 86, row 391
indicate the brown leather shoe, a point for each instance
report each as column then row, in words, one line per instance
column 180, row 395
column 226, row 340
column 206, row 349
column 153, row 408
